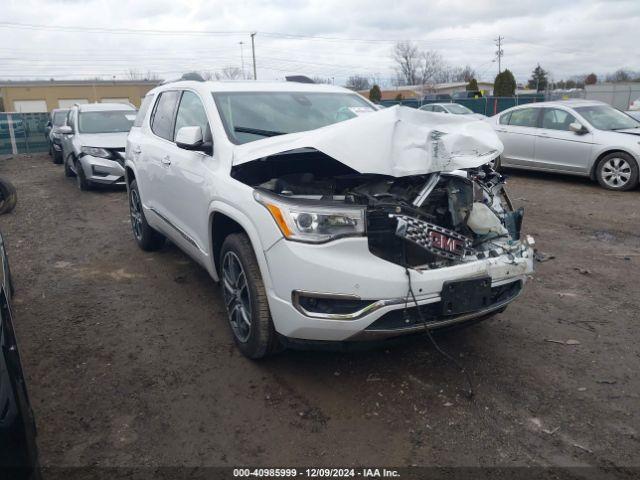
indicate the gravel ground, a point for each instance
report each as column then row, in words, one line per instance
column 130, row 361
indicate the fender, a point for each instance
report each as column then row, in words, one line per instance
column 218, row 206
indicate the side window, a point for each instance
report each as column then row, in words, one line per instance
column 438, row 109
column 191, row 114
column 163, row 114
column 427, row 108
column 146, row 102
column 525, row 117
column 556, row 119
column 504, row 119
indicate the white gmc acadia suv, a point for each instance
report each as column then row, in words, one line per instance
column 323, row 218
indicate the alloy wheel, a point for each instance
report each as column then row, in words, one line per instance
column 135, row 209
column 616, row 172
column 236, row 296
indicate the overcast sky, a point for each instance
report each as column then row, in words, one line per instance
column 328, row 38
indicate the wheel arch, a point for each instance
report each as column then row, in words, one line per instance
column 225, row 220
column 592, row 173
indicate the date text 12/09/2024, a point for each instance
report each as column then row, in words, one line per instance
column 316, row 473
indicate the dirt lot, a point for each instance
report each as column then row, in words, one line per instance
column 129, row 359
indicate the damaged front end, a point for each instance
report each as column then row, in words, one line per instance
column 421, row 221
column 425, row 214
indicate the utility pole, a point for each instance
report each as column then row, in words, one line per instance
column 253, row 53
column 499, row 52
column 242, row 58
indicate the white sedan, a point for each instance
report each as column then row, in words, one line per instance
column 453, row 108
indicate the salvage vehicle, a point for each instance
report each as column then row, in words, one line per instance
column 322, row 218
column 453, row 108
column 577, row 137
column 93, row 141
column 57, row 118
column 18, row 450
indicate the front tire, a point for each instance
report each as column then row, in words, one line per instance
column 146, row 237
column 81, row 179
column 246, row 298
column 617, row 171
column 67, row 170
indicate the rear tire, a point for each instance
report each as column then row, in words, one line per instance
column 57, row 157
column 617, row 171
column 8, row 196
column 246, row 298
column 146, row 237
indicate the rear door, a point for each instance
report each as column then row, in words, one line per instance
column 559, row 148
column 517, row 129
column 153, row 155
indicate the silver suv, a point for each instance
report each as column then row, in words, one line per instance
column 93, row 142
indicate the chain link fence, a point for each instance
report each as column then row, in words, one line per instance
column 23, row 133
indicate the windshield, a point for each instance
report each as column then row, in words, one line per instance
column 458, row 109
column 250, row 116
column 59, row 118
column 604, row 117
column 111, row 121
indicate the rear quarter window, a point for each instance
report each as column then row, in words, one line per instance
column 164, row 114
column 146, row 103
column 504, row 119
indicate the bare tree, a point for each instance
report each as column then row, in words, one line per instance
column 135, row 74
column 317, row 79
column 229, row 73
column 358, row 82
column 414, row 67
column 407, row 58
column 433, row 68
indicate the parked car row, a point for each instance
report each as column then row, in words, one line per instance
column 91, row 142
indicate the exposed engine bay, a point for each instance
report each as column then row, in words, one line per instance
column 420, row 221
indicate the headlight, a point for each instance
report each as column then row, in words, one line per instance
column 96, row 152
column 307, row 222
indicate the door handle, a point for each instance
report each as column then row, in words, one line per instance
column 166, row 160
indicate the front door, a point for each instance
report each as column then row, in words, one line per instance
column 189, row 176
column 559, row 148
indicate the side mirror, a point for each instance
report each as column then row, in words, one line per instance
column 64, row 130
column 190, row 138
column 578, row 128
column 48, row 125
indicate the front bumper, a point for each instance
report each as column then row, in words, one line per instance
column 102, row 170
column 346, row 268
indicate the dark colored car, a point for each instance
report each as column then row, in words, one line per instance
column 18, row 451
column 468, row 94
column 437, row 96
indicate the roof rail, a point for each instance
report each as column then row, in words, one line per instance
column 299, row 79
column 191, row 76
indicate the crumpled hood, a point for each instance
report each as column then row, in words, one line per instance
column 397, row 141
column 104, row 140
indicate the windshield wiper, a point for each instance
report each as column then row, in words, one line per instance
column 258, row 131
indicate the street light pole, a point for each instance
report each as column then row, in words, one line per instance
column 242, row 58
column 253, row 53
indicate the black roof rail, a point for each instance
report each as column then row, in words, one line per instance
column 299, row 79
